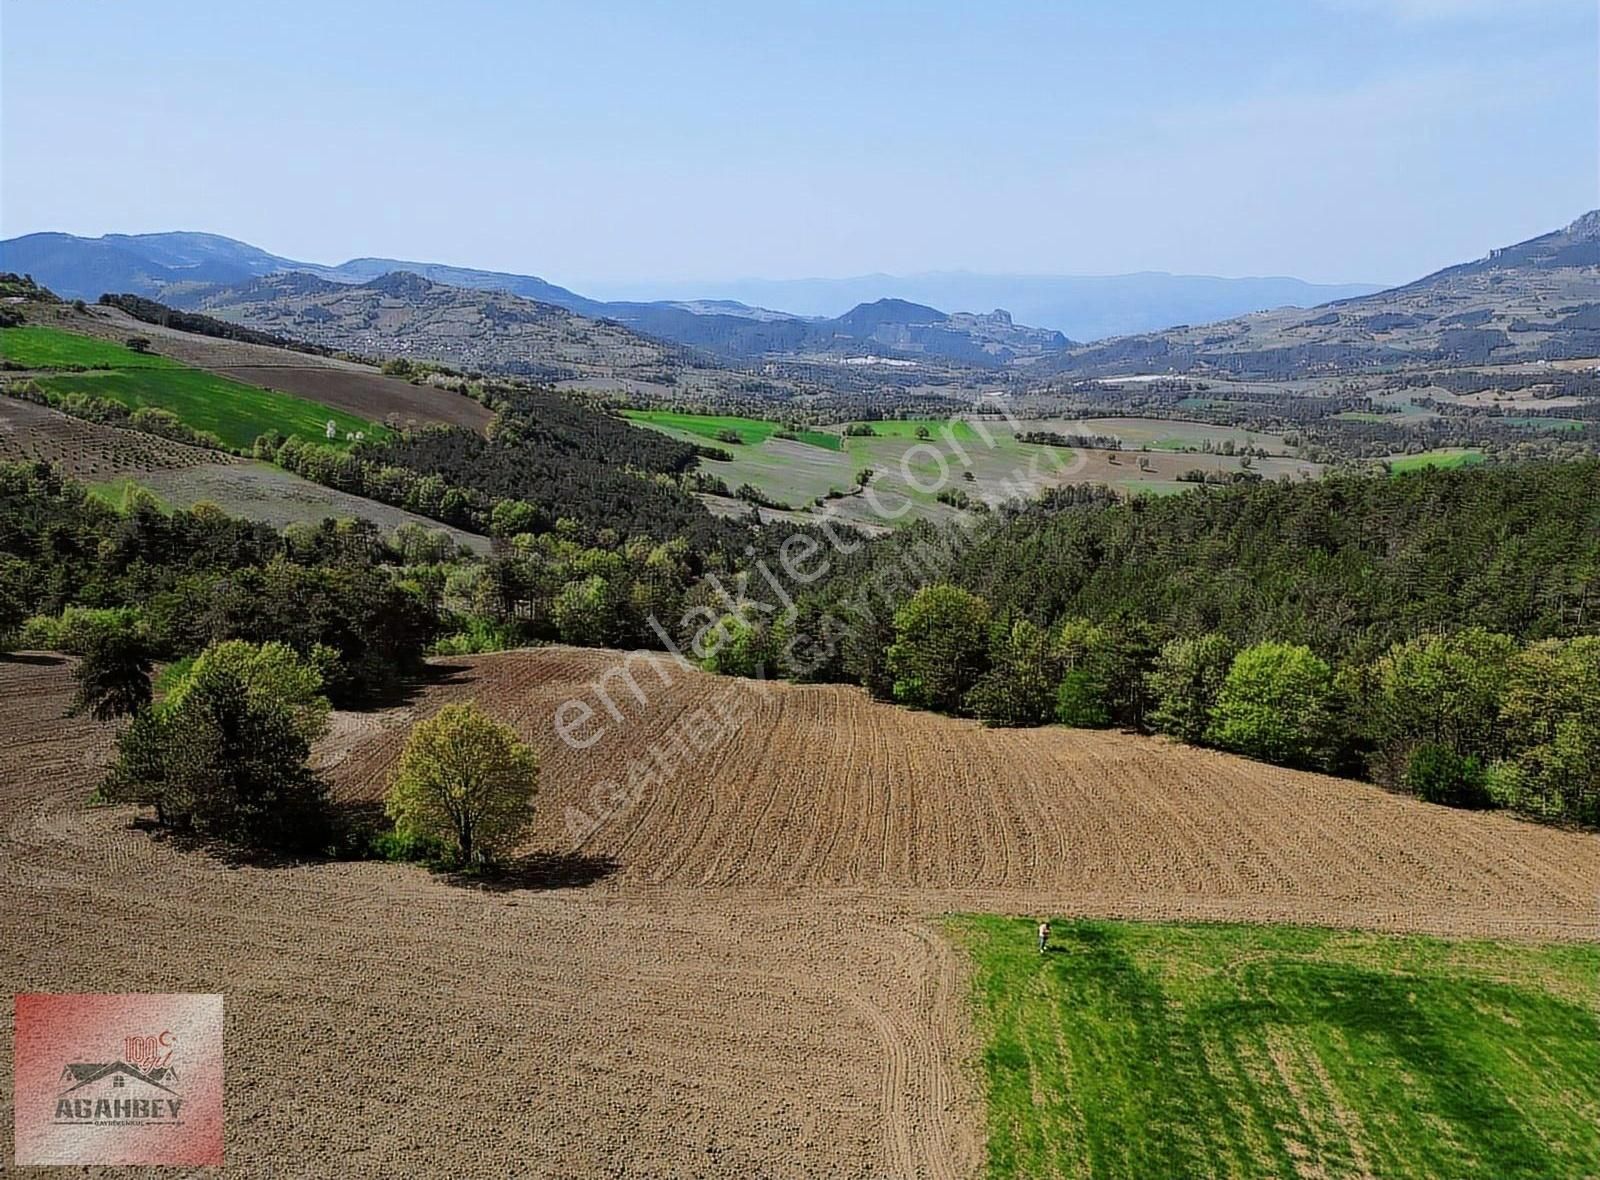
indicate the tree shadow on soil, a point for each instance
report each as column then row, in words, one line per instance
column 538, row 871
column 36, row 659
column 411, row 688
column 231, row 856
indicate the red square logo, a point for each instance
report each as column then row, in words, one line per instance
column 118, row 1079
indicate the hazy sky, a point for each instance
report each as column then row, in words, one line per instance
column 1333, row 140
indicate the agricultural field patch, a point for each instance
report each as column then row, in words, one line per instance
column 234, row 412
column 1445, row 457
column 759, row 916
column 260, row 491
column 935, row 429
column 905, row 800
column 751, row 431
column 1168, row 434
column 910, row 473
column 90, row 451
column 1537, row 423
column 1131, row 1050
column 358, row 389
column 34, row 346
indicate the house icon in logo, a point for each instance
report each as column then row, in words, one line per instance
column 82, row 1073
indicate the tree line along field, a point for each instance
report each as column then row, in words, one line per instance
column 233, row 412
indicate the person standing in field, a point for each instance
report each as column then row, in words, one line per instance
column 1044, row 935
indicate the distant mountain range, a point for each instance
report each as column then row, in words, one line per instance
column 1536, row 300
column 197, row 271
column 1083, row 307
column 727, row 318
column 1539, row 299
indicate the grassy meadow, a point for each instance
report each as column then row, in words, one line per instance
column 1447, row 457
column 1135, row 1050
column 751, row 431
column 233, row 411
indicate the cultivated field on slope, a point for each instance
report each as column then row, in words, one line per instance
column 384, row 1021
column 357, row 389
column 1132, row 1050
column 818, row 786
column 260, row 491
column 90, row 451
column 110, row 459
column 234, row 412
column 713, row 426
column 1445, row 457
column 910, row 472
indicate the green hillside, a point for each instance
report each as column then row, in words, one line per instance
column 234, row 412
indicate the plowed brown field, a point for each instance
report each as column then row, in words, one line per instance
column 752, row 983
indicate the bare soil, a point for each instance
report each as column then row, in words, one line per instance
column 740, row 972
column 90, row 451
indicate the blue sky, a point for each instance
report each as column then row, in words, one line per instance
column 1334, row 140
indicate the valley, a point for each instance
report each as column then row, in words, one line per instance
column 1157, row 642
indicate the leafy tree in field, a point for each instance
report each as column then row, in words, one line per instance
column 940, row 648
column 113, row 676
column 1185, row 683
column 1276, row 704
column 225, row 753
column 1020, row 686
column 467, row 780
column 1439, row 774
column 1440, row 689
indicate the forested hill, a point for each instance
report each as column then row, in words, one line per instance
column 1439, row 631
column 1346, row 565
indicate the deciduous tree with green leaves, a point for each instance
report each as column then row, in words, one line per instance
column 940, row 648
column 1185, row 683
column 1443, row 690
column 1276, row 704
column 466, row 780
